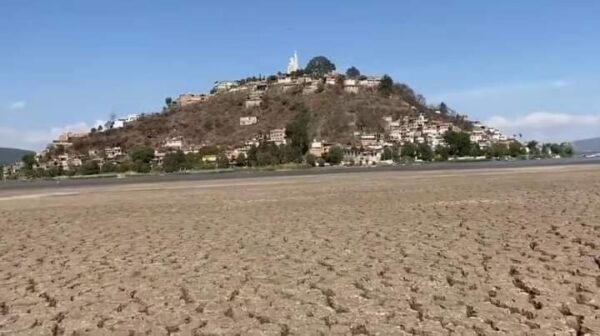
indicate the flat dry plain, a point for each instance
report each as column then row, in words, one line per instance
column 490, row 252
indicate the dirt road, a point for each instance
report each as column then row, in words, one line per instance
column 388, row 253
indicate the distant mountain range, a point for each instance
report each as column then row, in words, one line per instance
column 11, row 155
column 587, row 145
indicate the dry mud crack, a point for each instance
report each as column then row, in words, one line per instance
column 452, row 253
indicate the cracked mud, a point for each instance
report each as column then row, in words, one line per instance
column 394, row 253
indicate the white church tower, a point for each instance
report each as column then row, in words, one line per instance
column 293, row 64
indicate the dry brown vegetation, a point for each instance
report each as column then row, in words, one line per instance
column 432, row 253
column 335, row 116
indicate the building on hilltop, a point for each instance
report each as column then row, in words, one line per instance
column 190, row 98
column 223, row 86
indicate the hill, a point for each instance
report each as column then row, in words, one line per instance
column 335, row 116
column 11, row 155
column 587, row 145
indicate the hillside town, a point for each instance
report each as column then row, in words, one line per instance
column 415, row 137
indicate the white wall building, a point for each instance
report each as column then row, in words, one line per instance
column 247, row 121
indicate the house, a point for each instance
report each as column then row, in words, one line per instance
column 113, row 153
column 247, row 121
column 284, row 80
column 370, row 81
column 277, row 136
column 191, row 98
column 250, row 102
column 223, row 86
column 317, row 148
column 66, row 139
column 119, row 123
column 361, row 158
column 175, row 143
column 254, row 99
column 368, row 140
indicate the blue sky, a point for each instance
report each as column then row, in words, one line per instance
column 526, row 66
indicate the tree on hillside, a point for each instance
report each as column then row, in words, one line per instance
column 533, row 147
column 142, row 158
column 90, row 167
column 222, row 161
column 443, row 108
column 297, row 131
column 498, row 150
column 515, row 149
column 240, row 160
column 28, row 160
column 424, row 152
column 386, row 86
column 409, row 150
column 142, row 154
column 387, row 154
column 352, row 73
column 310, row 159
column 475, row 150
column 335, row 155
column 459, row 143
column 441, row 153
column 174, row 161
column 319, row 66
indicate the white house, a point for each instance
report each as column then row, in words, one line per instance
column 221, row 86
column 175, row 143
column 247, row 121
column 370, row 81
column 277, row 136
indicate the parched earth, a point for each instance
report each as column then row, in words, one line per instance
column 496, row 252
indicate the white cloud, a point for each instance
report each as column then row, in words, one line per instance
column 37, row 139
column 18, row 105
column 547, row 126
column 499, row 90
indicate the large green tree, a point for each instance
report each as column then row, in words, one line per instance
column 335, row 155
column 441, row 153
column 498, row 150
column 222, row 161
column 174, row 162
column 142, row 158
column 241, row 160
column 533, row 147
column 352, row 73
column 515, row 149
column 409, row 150
column 28, row 161
column 298, row 132
column 387, row 154
column 566, row 149
column 459, row 143
column 386, row 86
column 319, row 66
column 90, row 167
column 424, row 152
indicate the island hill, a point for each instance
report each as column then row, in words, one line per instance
column 313, row 115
